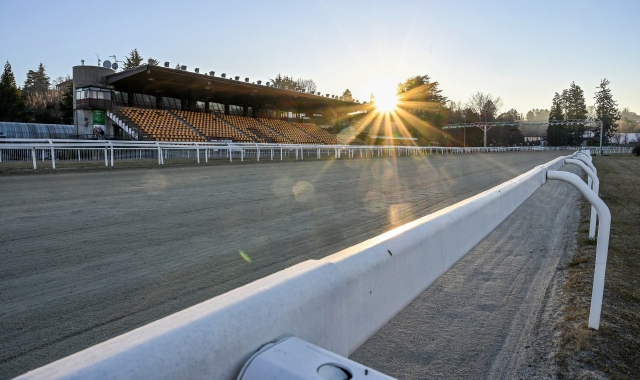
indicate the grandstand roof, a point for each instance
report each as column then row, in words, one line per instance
column 161, row 81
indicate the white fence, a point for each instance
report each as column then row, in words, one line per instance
column 109, row 151
column 336, row 303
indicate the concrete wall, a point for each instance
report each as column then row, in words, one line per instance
column 336, row 303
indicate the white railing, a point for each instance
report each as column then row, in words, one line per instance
column 34, row 150
column 336, row 303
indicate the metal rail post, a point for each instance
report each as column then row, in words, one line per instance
column 53, row 155
column 602, row 248
column 33, row 157
column 111, row 149
column 594, row 184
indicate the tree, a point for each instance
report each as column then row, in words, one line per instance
column 11, row 102
column 507, row 135
column 288, row 83
column 152, row 62
column 629, row 121
column 556, row 134
column 37, row 81
column 308, row 85
column 133, row 60
column 44, row 107
column 66, row 106
column 419, row 88
column 485, row 105
column 347, row 96
column 607, row 111
column 575, row 108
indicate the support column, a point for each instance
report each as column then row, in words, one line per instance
column 226, row 108
column 130, row 99
column 159, row 104
column 206, row 107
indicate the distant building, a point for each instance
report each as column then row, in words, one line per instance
column 535, row 138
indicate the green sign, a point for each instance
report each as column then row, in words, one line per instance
column 98, row 117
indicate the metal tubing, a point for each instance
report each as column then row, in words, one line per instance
column 602, row 248
column 594, row 184
column 33, row 157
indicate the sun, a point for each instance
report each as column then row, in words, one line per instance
column 384, row 92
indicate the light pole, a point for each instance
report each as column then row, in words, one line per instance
column 601, row 134
column 464, row 139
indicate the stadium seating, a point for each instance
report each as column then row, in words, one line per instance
column 213, row 127
column 261, row 132
column 177, row 125
column 161, row 125
column 289, row 131
column 317, row 132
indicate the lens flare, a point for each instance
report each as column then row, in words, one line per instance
column 385, row 97
column 244, row 256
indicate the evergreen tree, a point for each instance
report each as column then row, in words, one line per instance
column 152, row 62
column 37, row 81
column 607, row 111
column 556, row 134
column 66, row 106
column 346, row 95
column 576, row 108
column 11, row 102
column 133, row 60
column 419, row 88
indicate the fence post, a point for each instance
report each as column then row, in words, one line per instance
column 111, row 149
column 53, row 155
column 602, row 248
column 33, row 157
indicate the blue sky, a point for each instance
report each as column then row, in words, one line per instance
column 523, row 51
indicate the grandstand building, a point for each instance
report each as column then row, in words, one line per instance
column 164, row 104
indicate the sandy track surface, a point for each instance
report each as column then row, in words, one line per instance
column 88, row 256
column 492, row 315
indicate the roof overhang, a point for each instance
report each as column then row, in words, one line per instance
column 179, row 84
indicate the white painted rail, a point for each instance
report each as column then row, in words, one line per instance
column 336, row 303
column 34, row 150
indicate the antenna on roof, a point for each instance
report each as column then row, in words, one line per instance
column 98, row 59
column 106, row 64
column 166, row 64
column 114, row 65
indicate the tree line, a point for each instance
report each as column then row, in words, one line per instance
column 41, row 100
column 485, row 107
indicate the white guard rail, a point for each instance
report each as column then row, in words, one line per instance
column 34, row 150
column 336, row 303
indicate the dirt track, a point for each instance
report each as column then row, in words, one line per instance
column 88, row 256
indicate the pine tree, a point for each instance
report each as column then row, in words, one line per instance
column 37, row 81
column 133, row 60
column 346, row 95
column 556, row 134
column 576, row 109
column 11, row 103
column 66, row 106
column 607, row 111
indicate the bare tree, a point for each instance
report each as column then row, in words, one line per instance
column 306, row 84
column 485, row 105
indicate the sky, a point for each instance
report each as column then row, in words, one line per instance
column 522, row 51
